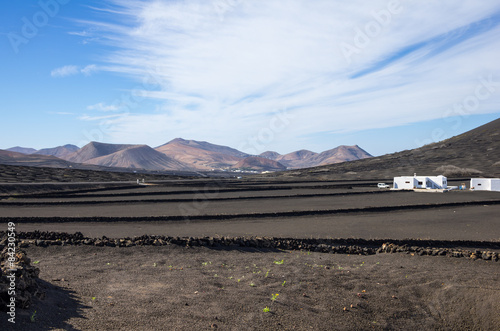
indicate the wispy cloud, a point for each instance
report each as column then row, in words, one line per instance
column 223, row 74
column 65, row 71
column 71, row 70
column 89, row 70
column 97, row 118
column 60, row 113
column 103, row 107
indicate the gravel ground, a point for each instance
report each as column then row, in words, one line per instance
column 174, row 288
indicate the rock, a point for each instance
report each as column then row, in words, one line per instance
column 40, row 243
column 26, row 280
column 486, row 256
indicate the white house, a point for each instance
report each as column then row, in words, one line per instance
column 485, row 184
column 423, row 182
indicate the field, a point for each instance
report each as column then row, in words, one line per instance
column 206, row 254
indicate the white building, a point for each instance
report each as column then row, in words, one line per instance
column 422, row 182
column 485, row 184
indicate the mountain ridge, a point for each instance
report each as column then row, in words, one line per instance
column 182, row 154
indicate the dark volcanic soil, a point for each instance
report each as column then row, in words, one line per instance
column 174, row 288
column 177, row 288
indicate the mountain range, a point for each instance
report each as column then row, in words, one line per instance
column 473, row 153
column 181, row 154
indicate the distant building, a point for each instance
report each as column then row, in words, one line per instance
column 422, row 182
column 485, row 184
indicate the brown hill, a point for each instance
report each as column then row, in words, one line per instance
column 341, row 154
column 259, row 163
column 60, row 151
column 297, row 159
column 270, row 155
column 93, row 150
column 140, row 157
column 474, row 153
column 201, row 155
column 307, row 159
column 34, row 160
column 22, row 150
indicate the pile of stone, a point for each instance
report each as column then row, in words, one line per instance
column 452, row 252
column 336, row 246
column 18, row 281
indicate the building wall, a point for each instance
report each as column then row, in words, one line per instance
column 495, row 184
column 409, row 183
column 485, row 184
column 480, row 184
column 404, row 183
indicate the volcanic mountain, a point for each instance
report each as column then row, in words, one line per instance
column 259, row 163
column 125, row 156
column 22, row 150
column 60, row 151
column 94, row 150
column 34, row 160
column 270, row 155
column 181, row 154
column 473, row 153
column 307, row 159
column 200, row 154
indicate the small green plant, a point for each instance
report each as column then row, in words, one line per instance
column 267, row 273
column 93, row 298
column 279, row 262
column 252, row 284
column 266, row 310
column 274, row 296
column 33, row 316
column 36, row 262
column 284, row 282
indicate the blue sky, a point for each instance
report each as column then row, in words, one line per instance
column 253, row 75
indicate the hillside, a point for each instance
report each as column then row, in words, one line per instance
column 270, row 155
column 181, row 154
column 22, row 150
column 94, row 150
column 473, row 153
column 60, row 151
column 33, row 160
column 260, row 164
column 206, row 146
column 341, row 154
column 139, row 157
column 297, row 159
column 201, row 155
column 306, row 159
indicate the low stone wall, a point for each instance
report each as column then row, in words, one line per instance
column 488, row 250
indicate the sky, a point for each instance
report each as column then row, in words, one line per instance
column 253, row 75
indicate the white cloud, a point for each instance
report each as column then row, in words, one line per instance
column 65, row 71
column 60, row 113
column 89, row 70
column 221, row 69
column 103, row 107
column 98, row 118
column 70, row 70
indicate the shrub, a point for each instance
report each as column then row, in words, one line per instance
column 454, row 171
